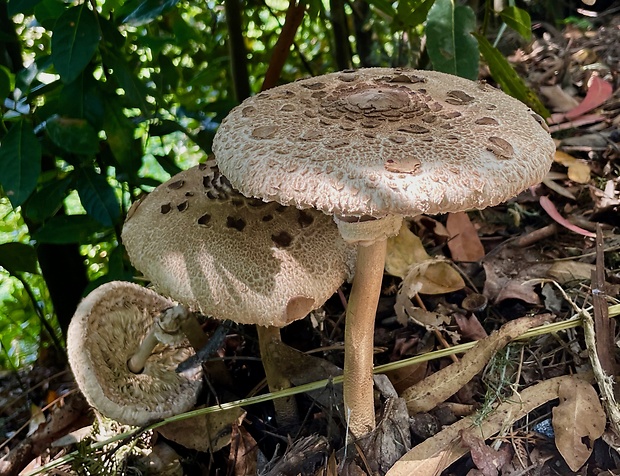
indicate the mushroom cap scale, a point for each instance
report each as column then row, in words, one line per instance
column 380, row 141
column 204, row 244
column 107, row 328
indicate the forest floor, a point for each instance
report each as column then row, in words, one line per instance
column 546, row 263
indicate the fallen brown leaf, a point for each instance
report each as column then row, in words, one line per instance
column 464, row 243
column 437, row 387
column 243, row 456
column 578, row 171
column 209, row 432
column 407, row 259
column 469, row 326
column 488, row 460
column 578, row 421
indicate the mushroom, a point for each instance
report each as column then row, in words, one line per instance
column 107, row 328
column 204, row 244
column 370, row 147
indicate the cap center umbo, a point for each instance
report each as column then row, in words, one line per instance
column 379, row 99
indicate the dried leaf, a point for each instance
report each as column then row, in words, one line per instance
column 435, row 454
column 464, row 244
column 559, row 100
column 578, row 421
column 470, row 326
column 431, row 321
column 488, row 460
column 403, row 251
column 578, row 171
column 549, row 207
column 437, row 387
column 36, row 418
column 210, row 432
column 407, row 258
column 387, row 443
column 599, row 91
column 405, row 377
column 567, row 271
column 557, row 188
column 243, row 456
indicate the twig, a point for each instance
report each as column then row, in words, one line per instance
column 292, row 21
column 536, row 235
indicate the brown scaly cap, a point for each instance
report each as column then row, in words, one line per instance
column 383, row 141
column 107, row 328
column 204, row 244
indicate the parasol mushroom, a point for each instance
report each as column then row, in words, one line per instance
column 204, row 244
column 107, row 328
column 370, row 147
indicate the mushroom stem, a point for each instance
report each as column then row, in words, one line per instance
column 193, row 331
column 269, row 339
column 359, row 337
column 138, row 360
column 169, row 325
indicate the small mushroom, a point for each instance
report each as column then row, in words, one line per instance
column 236, row 258
column 375, row 146
column 107, row 328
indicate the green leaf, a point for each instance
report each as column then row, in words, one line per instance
column 20, row 6
column 519, row 20
column 98, row 197
column 7, row 82
column 127, row 150
column 141, row 12
column 47, row 12
column 507, row 78
column 165, row 127
column 135, row 90
column 169, row 73
column 64, row 229
column 81, row 99
column 15, row 257
column 412, row 13
column 74, row 41
column 46, row 201
column 20, row 162
column 168, row 164
column 450, row 44
column 384, row 6
column 73, row 135
column 117, row 270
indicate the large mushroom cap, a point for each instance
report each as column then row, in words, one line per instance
column 383, row 141
column 107, row 328
column 209, row 247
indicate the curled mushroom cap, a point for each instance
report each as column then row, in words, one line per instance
column 204, row 244
column 107, row 328
column 378, row 141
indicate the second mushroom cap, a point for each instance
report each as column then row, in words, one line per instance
column 206, row 245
